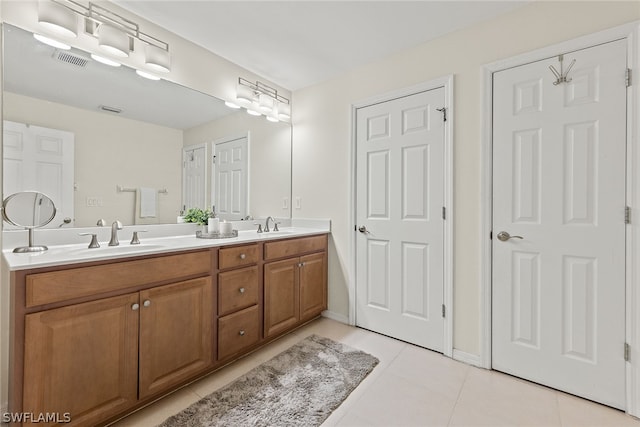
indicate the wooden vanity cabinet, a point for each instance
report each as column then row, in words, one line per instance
column 239, row 299
column 295, row 288
column 100, row 339
column 99, row 358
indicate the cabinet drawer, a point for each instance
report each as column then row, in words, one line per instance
column 56, row 286
column 238, row 331
column 238, row 256
column 293, row 247
column 237, row 289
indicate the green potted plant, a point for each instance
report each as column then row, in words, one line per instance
column 197, row 215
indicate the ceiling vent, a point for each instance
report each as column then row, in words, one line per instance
column 70, row 58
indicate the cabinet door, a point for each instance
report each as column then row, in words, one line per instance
column 281, row 296
column 313, row 285
column 82, row 359
column 176, row 334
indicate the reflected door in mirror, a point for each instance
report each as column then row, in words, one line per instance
column 39, row 159
column 231, row 179
column 194, row 177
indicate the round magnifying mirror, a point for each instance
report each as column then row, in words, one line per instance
column 28, row 209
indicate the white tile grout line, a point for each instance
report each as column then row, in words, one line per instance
column 455, row 405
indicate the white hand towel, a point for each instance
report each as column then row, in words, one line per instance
column 148, row 202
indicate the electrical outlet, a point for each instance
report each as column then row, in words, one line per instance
column 94, row 201
column 298, row 202
column 285, row 203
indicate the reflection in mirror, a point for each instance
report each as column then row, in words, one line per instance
column 108, row 128
column 28, row 209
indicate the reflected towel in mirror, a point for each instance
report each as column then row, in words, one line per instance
column 146, row 205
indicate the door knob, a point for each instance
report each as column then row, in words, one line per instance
column 503, row 236
column 363, row 229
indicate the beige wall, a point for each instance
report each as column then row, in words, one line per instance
column 110, row 151
column 269, row 158
column 322, row 132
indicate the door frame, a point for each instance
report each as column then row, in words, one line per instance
column 631, row 33
column 445, row 82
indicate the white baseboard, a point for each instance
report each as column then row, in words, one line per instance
column 335, row 316
column 468, row 358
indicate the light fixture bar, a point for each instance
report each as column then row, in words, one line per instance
column 263, row 88
column 94, row 15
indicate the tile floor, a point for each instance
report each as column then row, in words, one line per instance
column 411, row 387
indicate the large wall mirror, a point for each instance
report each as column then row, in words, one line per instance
column 97, row 139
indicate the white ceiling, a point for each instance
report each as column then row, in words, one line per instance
column 299, row 43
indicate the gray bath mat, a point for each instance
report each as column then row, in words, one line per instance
column 299, row 387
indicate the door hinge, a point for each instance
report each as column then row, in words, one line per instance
column 444, row 310
column 443, row 110
column 213, row 160
column 627, row 77
column 627, row 215
column 627, row 352
column 444, row 213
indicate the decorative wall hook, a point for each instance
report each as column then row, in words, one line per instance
column 562, row 76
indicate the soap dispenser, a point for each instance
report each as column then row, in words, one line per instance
column 213, row 224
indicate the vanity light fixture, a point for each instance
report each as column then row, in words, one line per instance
column 118, row 36
column 157, row 58
column 57, row 19
column 232, row 105
column 105, row 61
column 112, row 40
column 51, row 42
column 265, row 103
column 259, row 98
column 147, row 75
column 284, row 111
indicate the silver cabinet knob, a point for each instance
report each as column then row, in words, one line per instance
column 147, row 303
column 242, row 256
column 241, row 333
column 135, row 306
column 241, row 290
column 503, row 236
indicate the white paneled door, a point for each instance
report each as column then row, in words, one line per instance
column 400, row 196
column 40, row 159
column 559, row 193
column 231, row 177
column 194, row 177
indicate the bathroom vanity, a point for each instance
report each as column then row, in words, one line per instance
column 100, row 337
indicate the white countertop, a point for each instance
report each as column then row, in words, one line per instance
column 79, row 253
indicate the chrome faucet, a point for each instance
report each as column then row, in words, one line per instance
column 266, row 224
column 117, row 225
